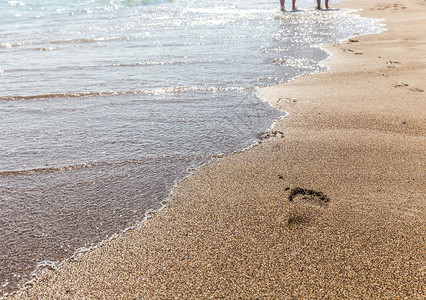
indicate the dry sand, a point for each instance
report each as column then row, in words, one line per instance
column 354, row 144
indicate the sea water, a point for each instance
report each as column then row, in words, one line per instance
column 104, row 105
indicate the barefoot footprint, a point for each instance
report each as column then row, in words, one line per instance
column 307, row 205
column 298, row 195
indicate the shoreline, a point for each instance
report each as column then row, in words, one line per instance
column 231, row 230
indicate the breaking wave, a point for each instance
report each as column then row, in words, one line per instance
column 158, row 91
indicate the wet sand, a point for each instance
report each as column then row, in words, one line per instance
column 332, row 205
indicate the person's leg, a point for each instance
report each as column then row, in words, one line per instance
column 318, row 4
column 282, row 5
column 294, row 5
column 326, row 4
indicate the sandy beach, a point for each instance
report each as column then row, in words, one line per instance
column 332, row 205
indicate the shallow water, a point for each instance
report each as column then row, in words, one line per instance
column 104, row 105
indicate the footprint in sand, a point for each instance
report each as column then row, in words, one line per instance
column 416, row 90
column 405, row 85
column 394, row 6
column 306, row 207
column 352, row 51
column 270, row 134
column 400, row 84
column 298, row 195
column 392, row 63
